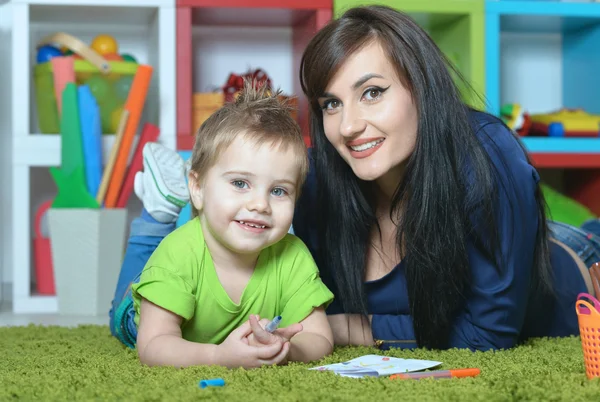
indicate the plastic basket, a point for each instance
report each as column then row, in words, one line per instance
column 589, row 329
column 109, row 82
column 110, row 91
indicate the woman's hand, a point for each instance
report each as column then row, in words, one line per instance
column 236, row 350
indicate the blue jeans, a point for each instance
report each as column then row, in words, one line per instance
column 144, row 237
column 584, row 241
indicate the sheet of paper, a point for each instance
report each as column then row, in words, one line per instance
column 375, row 366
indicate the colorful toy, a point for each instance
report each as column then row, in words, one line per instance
column 105, row 44
column 63, row 73
column 108, row 76
column 122, row 87
column 101, row 89
column 112, row 159
column 515, row 118
column 128, row 57
column 149, row 134
column 134, row 105
column 91, row 132
column 44, row 271
column 70, row 177
column 566, row 123
column 46, row 53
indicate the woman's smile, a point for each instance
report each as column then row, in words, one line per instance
column 364, row 148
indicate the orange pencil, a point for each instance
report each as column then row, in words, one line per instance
column 437, row 374
column 135, row 106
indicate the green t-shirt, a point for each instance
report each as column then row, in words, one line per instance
column 180, row 277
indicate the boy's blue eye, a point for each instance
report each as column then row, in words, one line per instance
column 239, row 183
column 278, row 192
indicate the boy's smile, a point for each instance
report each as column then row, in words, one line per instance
column 248, row 198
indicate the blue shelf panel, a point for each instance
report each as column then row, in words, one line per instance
column 544, row 8
column 562, row 145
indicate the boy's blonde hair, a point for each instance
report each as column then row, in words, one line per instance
column 262, row 117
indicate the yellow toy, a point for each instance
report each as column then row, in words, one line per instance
column 105, row 44
column 566, row 123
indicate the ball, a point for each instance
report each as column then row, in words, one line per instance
column 122, row 87
column 47, row 53
column 129, row 58
column 105, row 44
column 100, row 88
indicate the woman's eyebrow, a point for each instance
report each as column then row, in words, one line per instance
column 364, row 79
column 356, row 85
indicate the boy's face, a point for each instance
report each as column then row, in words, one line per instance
column 246, row 200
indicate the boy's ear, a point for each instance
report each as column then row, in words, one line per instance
column 196, row 191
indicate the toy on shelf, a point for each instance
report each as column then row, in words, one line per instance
column 514, row 117
column 565, row 123
column 80, row 179
column 206, row 103
column 43, row 254
column 107, row 73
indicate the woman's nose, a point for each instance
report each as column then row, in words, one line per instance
column 352, row 124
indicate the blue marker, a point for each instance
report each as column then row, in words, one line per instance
column 272, row 326
column 215, row 382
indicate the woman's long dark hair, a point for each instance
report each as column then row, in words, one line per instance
column 434, row 204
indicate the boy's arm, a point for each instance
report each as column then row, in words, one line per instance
column 315, row 341
column 160, row 343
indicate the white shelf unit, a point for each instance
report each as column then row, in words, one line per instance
column 143, row 28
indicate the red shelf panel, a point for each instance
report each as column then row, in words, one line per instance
column 566, row 160
column 253, row 17
column 289, row 4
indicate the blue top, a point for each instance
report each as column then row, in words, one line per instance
column 497, row 314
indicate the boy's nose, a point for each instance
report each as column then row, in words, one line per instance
column 259, row 203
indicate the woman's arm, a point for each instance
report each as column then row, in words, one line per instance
column 159, row 343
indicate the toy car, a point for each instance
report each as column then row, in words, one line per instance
column 565, row 123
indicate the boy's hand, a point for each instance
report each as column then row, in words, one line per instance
column 236, row 351
column 260, row 336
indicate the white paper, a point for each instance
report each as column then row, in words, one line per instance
column 376, row 366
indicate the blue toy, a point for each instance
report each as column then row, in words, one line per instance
column 47, row 52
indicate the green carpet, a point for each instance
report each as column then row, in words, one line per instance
column 86, row 363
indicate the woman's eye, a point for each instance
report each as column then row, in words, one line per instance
column 278, row 192
column 372, row 94
column 330, row 104
column 239, row 184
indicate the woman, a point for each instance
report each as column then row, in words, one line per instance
column 425, row 216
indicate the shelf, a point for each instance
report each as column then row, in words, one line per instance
column 216, row 38
column 140, row 30
column 35, row 304
column 566, row 160
column 44, row 149
column 562, row 145
column 288, row 4
column 544, row 8
column 542, row 55
column 457, row 27
column 145, row 29
column 565, row 153
column 107, row 3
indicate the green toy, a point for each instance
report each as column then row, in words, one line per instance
column 70, row 177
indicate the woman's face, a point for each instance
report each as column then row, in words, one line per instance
column 369, row 116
